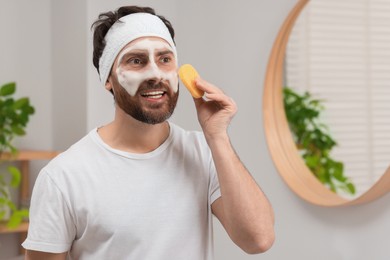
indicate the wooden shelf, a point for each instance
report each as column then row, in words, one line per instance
column 26, row 155
column 23, row 227
column 23, row 158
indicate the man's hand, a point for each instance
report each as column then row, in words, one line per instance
column 216, row 112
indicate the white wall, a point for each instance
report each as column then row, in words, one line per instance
column 25, row 57
column 69, row 66
column 229, row 43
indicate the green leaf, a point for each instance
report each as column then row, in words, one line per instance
column 311, row 161
column 8, row 89
column 351, row 188
column 339, row 176
column 2, row 214
column 22, row 102
column 3, row 201
column 16, row 176
column 23, row 119
column 11, row 205
column 14, row 221
column 17, row 218
column 9, row 102
column 18, row 130
column 24, row 213
column 30, row 110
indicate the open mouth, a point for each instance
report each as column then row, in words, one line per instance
column 153, row 94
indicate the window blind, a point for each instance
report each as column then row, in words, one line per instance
column 339, row 51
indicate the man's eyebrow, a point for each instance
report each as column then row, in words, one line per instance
column 135, row 52
column 138, row 53
column 164, row 52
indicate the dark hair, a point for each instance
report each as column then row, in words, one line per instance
column 106, row 20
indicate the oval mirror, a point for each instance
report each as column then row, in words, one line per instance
column 337, row 52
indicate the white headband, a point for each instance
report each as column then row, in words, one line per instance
column 127, row 29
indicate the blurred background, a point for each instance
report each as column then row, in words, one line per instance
column 46, row 48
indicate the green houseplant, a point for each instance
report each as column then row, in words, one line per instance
column 14, row 116
column 313, row 140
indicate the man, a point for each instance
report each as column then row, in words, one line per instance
column 142, row 187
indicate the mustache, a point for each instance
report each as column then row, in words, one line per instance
column 154, row 85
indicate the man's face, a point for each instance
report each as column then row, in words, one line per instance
column 144, row 80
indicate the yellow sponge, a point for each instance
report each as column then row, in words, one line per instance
column 188, row 74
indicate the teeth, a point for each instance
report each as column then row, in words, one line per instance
column 156, row 97
column 153, row 93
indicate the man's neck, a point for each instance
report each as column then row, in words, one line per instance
column 130, row 135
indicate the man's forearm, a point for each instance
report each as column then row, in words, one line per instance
column 247, row 212
column 37, row 255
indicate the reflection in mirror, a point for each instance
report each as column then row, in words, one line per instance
column 339, row 52
column 314, row 140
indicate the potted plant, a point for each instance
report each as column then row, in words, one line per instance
column 14, row 116
column 313, row 140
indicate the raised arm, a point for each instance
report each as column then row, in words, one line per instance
column 243, row 209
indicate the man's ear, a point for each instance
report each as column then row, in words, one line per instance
column 108, row 85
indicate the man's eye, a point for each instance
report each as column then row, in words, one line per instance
column 135, row 61
column 166, row 59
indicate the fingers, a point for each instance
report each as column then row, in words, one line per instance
column 206, row 86
column 223, row 100
column 213, row 93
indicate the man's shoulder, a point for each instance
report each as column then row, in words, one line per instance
column 74, row 155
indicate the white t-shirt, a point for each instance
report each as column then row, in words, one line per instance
column 101, row 203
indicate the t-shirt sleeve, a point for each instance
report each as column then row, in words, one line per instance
column 214, row 189
column 51, row 226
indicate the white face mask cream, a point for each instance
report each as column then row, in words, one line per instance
column 142, row 55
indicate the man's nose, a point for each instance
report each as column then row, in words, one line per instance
column 153, row 81
column 155, row 75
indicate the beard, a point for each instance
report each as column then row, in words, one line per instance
column 140, row 109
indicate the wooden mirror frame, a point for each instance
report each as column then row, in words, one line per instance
column 281, row 145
